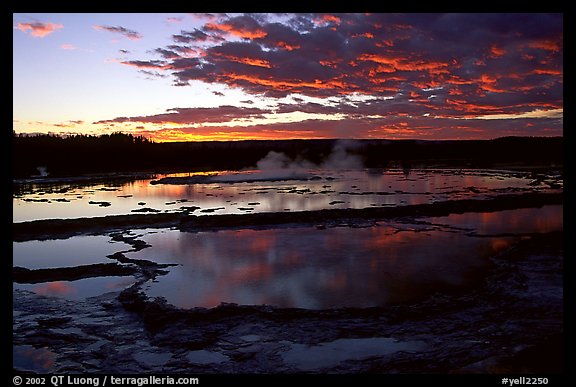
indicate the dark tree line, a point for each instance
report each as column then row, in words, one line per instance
column 119, row 152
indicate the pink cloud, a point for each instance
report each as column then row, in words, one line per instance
column 39, row 29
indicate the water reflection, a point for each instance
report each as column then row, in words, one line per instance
column 28, row 358
column 330, row 354
column 74, row 251
column 304, row 267
column 350, row 189
column 527, row 220
column 79, row 289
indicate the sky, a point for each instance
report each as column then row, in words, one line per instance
column 202, row 77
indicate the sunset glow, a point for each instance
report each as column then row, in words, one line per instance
column 198, row 77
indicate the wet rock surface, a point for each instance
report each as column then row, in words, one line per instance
column 23, row 275
column 508, row 324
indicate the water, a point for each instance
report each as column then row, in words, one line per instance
column 28, row 358
column 233, row 194
column 390, row 263
column 386, row 264
column 330, row 354
column 74, row 251
column 79, row 289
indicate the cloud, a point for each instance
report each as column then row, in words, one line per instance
column 245, row 27
column 386, row 74
column 371, row 54
column 146, row 65
column 196, row 36
column 67, row 46
column 195, row 115
column 39, row 29
column 538, row 113
column 176, row 20
column 129, row 34
column 392, row 127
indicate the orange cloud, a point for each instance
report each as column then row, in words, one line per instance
column 406, row 64
column 364, row 35
column 546, row 44
column 547, row 72
column 293, row 85
column 497, row 51
column 467, row 107
column 287, row 46
column 330, row 63
column 385, row 43
column 327, row 19
column 248, row 61
column 39, row 29
column 241, row 32
column 488, row 83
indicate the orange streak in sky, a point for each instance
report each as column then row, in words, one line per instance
column 387, row 43
column 292, row 84
column 288, row 46
column 248, row 61
column 364, row 35
column 488, row 83
column 463, row 105
column 241, row 33
column 547, row 71
column 175, row 135
column 329, row 18
column 548, row 45
column 497, row 51
column 406, row 64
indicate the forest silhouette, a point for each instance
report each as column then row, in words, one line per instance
column 119, row 152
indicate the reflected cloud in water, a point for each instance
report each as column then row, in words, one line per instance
column 304, row 267
column 344, row 189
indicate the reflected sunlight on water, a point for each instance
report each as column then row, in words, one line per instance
column 327, row 189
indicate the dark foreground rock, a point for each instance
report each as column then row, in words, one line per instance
column 508, row 325
column 23, row 275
